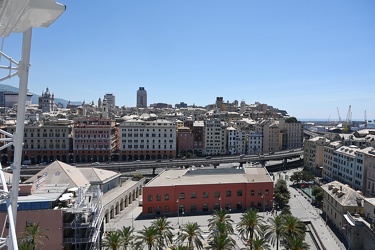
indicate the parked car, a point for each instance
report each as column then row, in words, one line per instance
column 208, row 157
column 242, row 156
column 183, row 158
column 95, row 163
column 137, row 161
column 158, row 160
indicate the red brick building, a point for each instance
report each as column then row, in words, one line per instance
column 202, row 190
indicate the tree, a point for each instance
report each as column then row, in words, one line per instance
column 219, row 238
column 260, row 243
column 318, row 192
column 281, row 193
column 191, row 232
column 276, row 229
column 112, row 240
column 25, row 246
column 164, row 229
column 307, row 176
column 296, row 177
column 293, row 227
column 295, row 243
column 126, row 235
column 221, row 215
column 33, row 235
column 249, row 226
column 148, row 236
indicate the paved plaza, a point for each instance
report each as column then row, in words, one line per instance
column 319, row 236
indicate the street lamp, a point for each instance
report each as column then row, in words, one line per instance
column 178, row 212
column 264, row 204
column 220, row 202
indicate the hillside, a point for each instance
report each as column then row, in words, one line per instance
column 34, row 99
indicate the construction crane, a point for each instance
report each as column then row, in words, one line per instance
column 348, row 119
column 338, row 112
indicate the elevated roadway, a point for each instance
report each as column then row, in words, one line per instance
column 124, row 167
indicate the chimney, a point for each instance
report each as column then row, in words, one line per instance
column 340, row 188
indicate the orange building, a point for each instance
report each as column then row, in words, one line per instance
column 206, row 189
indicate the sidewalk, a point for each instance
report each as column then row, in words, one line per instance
column 300, row 206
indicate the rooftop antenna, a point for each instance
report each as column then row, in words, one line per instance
column 20, row 16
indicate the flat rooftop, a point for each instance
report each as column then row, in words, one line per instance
column 175, row 177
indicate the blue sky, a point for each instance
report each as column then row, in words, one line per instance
column 307, row 57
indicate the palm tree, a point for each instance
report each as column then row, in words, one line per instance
column 191, row 232
column 148, row 236
column 260, row 243
column 249, row 225
column 25, row 246
column 164, row 228
column 112, row 240
column 276, row 229
column 221, row 215
column 179, row 247
column 33, row 235
column 293, row 227
column 296, row 243
column 220, row 240
column 127, row 236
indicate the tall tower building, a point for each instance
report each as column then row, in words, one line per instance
column 141, row 98
column 111, row 102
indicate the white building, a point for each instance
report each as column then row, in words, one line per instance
column 144, row 140
column 349, row 163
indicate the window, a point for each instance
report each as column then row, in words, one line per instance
column 228, row 193
column 193, row 195
column 216, row 206
column 166, row 209
column 158, row 197
column 239, row 192
column 217, row 194
column 259, row 192
column 193, row 208
column 252, row 193
column 205, row 207
column 149, row 198
column 267, row 192
column 149, row 210
column 205, row 194
column 181, row 196
column 166, row 197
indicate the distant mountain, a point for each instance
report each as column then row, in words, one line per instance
column 34, row 99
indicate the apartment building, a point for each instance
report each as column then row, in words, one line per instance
column 145, row 140
column 185, row 141
column 241, row 141
column 94, row 139
column 232, row 141
column 328, row 171
column 44, row 143
column 348, row 163
column 198, row 131
column 313, row 154
column 255, row 142
column 292, row 133
column 369, row 186
column 343, row 206
column 214, row 137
